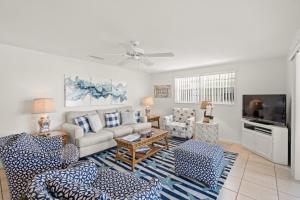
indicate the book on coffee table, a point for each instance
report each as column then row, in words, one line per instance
column 132, row 137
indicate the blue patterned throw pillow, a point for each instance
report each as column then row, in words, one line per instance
column 112, row 119
column 138, row 116
column 83, row 122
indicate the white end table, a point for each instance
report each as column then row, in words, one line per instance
column 207, row 132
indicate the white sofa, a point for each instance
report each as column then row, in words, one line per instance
column 94, row 142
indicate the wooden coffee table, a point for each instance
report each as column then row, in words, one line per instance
column 157, row 142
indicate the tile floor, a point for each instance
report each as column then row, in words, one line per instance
column 255, row 178
column 252, row 178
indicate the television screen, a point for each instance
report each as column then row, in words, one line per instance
column 265, row 108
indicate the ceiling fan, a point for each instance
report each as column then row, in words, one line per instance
column 134, row 52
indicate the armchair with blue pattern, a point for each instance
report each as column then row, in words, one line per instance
column 83, row 180
column 23, row 156
column 181, row 123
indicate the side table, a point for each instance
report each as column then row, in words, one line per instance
column 61, row 133
column 207, row 132
column 154, row 118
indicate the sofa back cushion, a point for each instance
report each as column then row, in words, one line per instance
column 128, row 117
column 182, row 114
column 95, row 122
column 70, row 116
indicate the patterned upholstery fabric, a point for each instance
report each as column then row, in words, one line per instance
column 126, row 186
column 112, row 119
column 107, row 184
column 200, row 160
column 23, row 156
column 138, row 116
column 181, row 123
column 67, row 189
column 83, row 122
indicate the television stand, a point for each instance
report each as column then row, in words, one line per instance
column 268, row 141
column 261, row 122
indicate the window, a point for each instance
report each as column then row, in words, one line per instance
column 218, row 88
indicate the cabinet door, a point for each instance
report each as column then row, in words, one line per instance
column 248, row 139
column 264, row 145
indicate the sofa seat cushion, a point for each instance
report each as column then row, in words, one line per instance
column 94, row 138
column 120, row 131
column 176, row 126
column 140, row 126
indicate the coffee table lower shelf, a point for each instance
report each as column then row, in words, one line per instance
column 132, row 157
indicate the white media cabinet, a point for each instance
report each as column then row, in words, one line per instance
column 268, row 141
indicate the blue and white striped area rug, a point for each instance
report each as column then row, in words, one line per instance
column 161, row 166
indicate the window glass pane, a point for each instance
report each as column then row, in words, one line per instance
column 218, row 88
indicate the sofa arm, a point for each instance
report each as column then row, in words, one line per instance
column 73, row 131
column 190, row 121
column 144, row 119
column 168, row 119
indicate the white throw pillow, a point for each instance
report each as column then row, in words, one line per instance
column 95, row 122
column 128, row 117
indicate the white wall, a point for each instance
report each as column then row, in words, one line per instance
column 255, row 77
column 27, row 74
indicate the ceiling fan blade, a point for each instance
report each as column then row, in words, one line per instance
column 145, row 61
column 96, row 57
column 168, row 54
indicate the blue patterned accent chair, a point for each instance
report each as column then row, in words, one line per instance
column 84, row 181
column 181, row 123
column 24, row 156
column 201, row 161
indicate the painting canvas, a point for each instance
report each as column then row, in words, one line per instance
column 119, row 92
column 101, row 92
column 77, row 91
column 85, row 91
column 162, row 91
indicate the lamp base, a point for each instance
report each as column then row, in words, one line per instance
column 44, row 124
column 147, row 112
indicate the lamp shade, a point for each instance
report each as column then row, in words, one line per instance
column 204, row 104
column 148, row 101
column 43, row 105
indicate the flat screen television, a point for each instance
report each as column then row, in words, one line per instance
column 266, row 109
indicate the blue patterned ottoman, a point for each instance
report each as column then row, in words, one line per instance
column 200, row 160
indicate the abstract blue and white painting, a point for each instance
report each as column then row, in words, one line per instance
column 101, row 92
column 119, row 92
column 77, row 91
column 84, row 91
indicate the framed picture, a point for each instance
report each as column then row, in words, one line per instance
column 162, row 91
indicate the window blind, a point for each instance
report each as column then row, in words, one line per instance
column 218, row 88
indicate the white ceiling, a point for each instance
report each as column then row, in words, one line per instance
column 198, row 32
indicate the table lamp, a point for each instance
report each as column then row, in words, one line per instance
column 148, row 102
column 207, row 107
column 43, row 106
